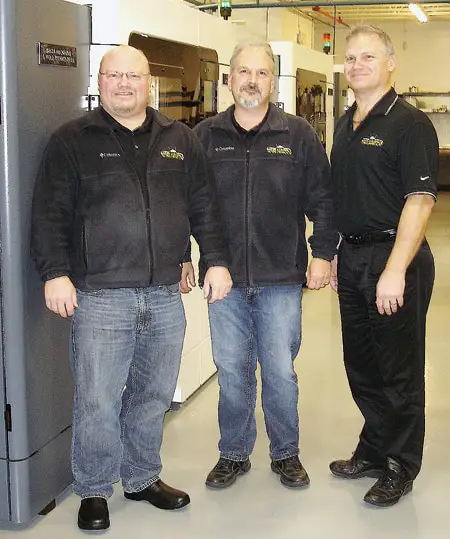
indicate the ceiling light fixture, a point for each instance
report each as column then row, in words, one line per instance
column 418, row 12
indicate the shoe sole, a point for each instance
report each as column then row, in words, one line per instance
column 288, row 483
column 375, row 474
column 217, row 486
column 87, row 527
column 406, row 490
column 143, row 499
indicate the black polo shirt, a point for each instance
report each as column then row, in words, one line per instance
column 134, row 143
column 247, row 136
column 393, row 154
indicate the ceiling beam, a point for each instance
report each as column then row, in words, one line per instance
column 321, row 3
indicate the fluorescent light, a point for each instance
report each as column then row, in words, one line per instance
column 417, row 10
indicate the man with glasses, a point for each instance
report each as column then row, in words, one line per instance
column 118, row 193
column 270, row 170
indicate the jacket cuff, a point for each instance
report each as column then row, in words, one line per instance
column 54, row 275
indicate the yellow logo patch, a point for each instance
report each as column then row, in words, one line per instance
column 372, row 141
column 172, row 154
column 279, row 150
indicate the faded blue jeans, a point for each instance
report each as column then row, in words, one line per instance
column 257, row 324
column 121, row 337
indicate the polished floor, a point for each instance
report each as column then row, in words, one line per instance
column 258, row 505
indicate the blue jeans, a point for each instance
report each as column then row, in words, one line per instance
column 132, row 338
column 257, row 324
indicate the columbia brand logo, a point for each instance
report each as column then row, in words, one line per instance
column 279, row 150
column 172, row 154
column 107, row 154
column 224, row 149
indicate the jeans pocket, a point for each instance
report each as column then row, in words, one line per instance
column 96, row 292
column 171, row 289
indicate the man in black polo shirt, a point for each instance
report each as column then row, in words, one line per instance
column 384, row 165
column 118, row 194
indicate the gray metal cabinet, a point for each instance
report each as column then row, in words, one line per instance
column 36, row 384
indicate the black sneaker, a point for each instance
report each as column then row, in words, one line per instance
column 391, row 486
column 291, row 472
column 225, row 472
column 354, row 468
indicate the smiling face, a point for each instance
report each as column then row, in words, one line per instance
column 121, row 97
column 251, row 79
column 368, row 66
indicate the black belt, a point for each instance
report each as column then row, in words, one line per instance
column 370, row 237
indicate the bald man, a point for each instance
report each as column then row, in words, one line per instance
column 118, row 193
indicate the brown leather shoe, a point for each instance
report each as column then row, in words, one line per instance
column 225, row 472
column 355, row 468
column 291, row 472
column 391, row 486
column 160, row 495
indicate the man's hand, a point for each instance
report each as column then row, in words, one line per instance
column 390, row 290
column 187, row 282
column 60, row 296
column 333, row 277
column 318, row 274
column 217, row 283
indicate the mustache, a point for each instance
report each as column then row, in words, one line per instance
column 250, row 87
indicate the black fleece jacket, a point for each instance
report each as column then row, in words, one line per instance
column 96, row 222
column 264, row 193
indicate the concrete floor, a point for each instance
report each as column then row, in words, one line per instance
column 258, row 505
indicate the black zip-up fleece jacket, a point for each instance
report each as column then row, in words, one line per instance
column 94, row 221
column 264, row 194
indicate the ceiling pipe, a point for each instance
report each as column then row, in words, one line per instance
column 323, row 3
column 332, row 17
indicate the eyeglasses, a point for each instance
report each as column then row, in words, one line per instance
column 132, row 76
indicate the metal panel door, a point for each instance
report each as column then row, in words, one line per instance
column 36, row 381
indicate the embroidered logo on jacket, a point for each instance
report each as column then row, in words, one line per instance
column 172, row 154
column 373, row 140
column 279, row 150
column 224, row 148
column 104, row 155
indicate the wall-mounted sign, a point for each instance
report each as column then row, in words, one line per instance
column 58, row 55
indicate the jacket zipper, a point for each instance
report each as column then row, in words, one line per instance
column 247, row 216
column 146, row 197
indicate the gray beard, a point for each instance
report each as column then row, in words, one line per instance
column 248, row 103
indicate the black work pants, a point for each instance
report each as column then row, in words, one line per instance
column 384, row 355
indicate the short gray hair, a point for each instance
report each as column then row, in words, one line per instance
column 373, row 30
column 244, row 45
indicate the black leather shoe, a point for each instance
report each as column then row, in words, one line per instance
column 160, row 495
column 291, row 472
column 391, row 486
column 225, row 472
column 93, row 514
column 355, row 468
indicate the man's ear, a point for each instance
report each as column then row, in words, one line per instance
column 391, row 63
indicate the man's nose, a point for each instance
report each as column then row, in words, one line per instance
column 253, row 77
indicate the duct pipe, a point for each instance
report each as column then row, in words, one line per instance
column 324, row 3
column 333, row 18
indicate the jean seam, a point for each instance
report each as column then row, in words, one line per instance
column 248, row 386
column 233, row 457
column 284, row 455
column 95, row 495
column 144, row 485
